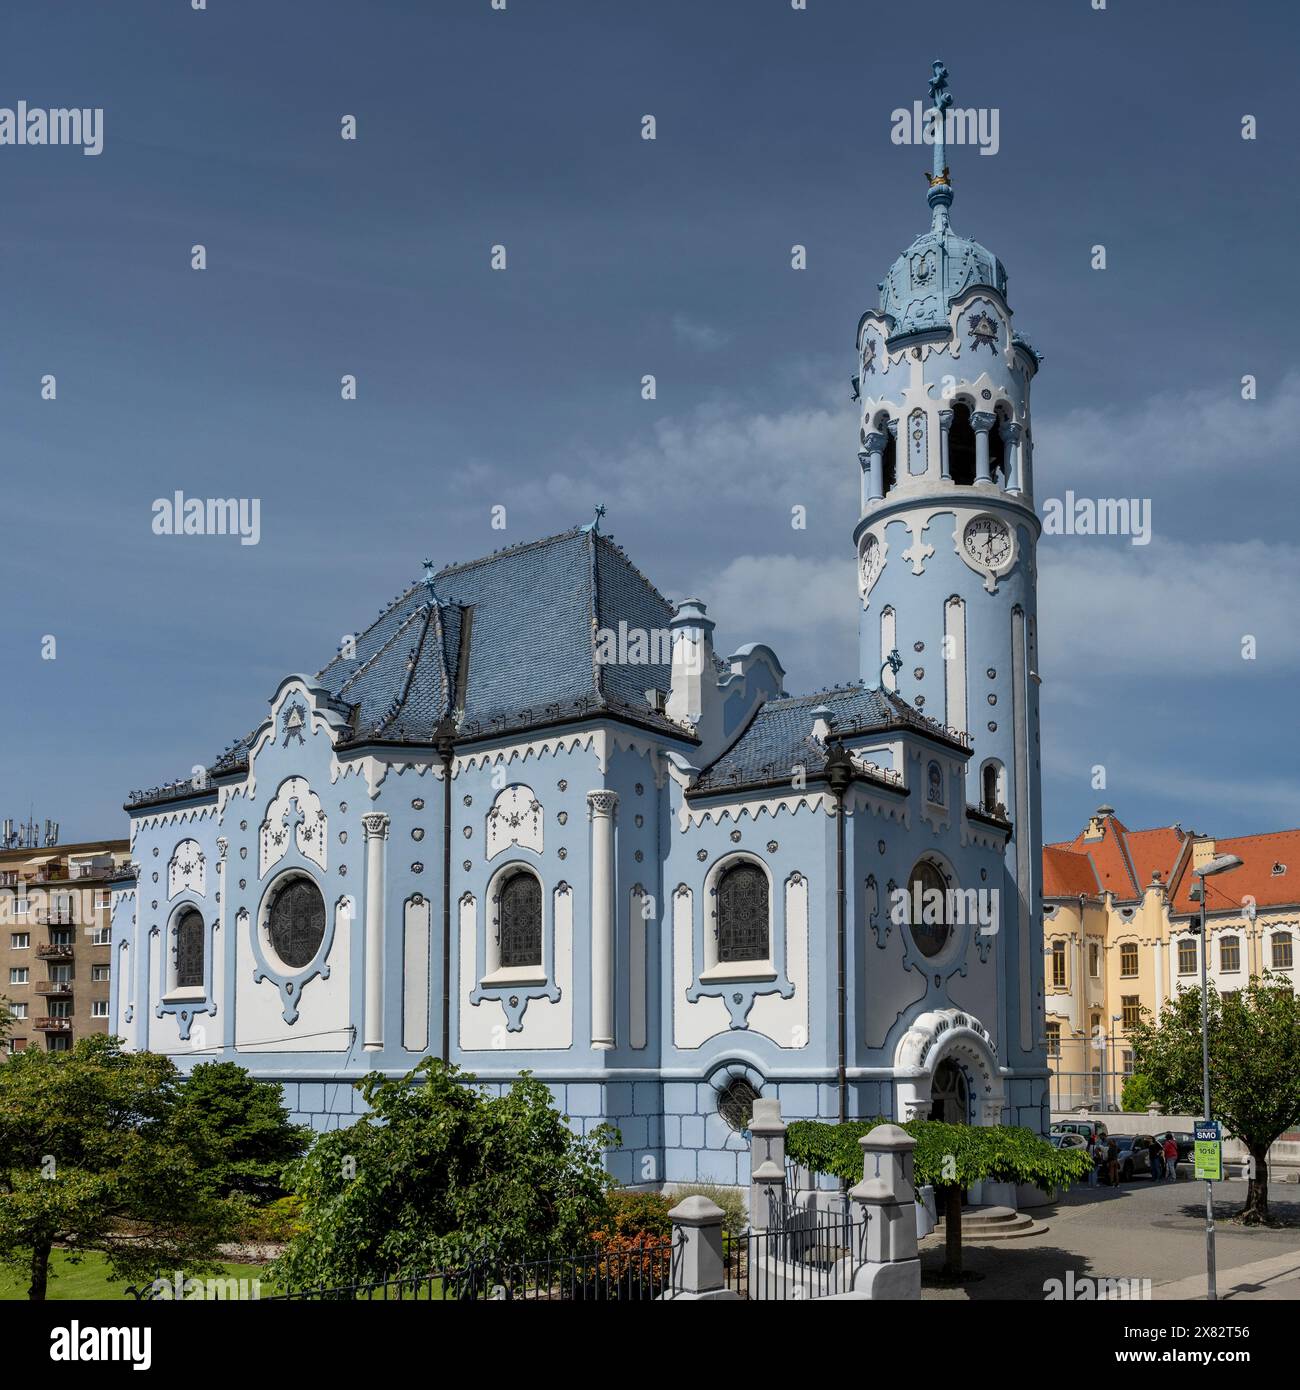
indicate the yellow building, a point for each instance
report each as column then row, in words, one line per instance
column 1117, row 933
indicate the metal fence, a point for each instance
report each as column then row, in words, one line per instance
column 1097, row 1090
column 805, row 1254
column 638, row 1270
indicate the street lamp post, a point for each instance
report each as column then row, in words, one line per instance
column 1221, row 863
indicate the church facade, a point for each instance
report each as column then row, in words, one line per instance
column 532, row 818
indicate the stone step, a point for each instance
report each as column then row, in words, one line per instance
column 995, row 1223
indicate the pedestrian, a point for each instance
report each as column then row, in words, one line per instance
column 1171, row 1157
column 1094, row 1176
column 1112, row 1162
column 1155, row 1158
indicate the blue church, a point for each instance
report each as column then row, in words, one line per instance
column 533, row 818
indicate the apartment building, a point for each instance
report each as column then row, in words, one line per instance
column 1120, row 935
column 55, row 935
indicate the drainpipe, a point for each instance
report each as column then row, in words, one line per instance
column 839, row 774
column 446, row 750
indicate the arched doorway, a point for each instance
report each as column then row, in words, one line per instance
column 950, row 1094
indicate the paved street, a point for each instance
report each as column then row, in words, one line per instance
column 1141, row 1230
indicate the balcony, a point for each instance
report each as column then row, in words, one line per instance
column 55, row 988
column 52, row 1025
column 55, row 950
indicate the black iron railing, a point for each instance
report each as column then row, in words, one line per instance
column 805, row 1254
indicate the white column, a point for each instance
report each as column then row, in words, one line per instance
column 601, row 806
column 375, row 826
column 875, row 443
column 945, row 424
column 982, row 422
column 1011, row 433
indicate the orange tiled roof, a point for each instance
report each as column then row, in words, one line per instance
column 1119, row 861
column 1255, row 878
column 1066, row 874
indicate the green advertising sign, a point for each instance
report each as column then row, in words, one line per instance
column 1207, row 1152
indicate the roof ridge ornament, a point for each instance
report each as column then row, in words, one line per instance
column 428, row 582
column 594, row 524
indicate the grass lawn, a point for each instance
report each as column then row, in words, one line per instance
column 88, row 1278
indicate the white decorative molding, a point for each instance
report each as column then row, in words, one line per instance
column 187, row 869
column 515, row 818
column 295, row 812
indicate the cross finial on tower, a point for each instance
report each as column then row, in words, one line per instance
column 940, row 196
column 428, row 580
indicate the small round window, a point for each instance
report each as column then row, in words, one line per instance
column 928, row 907
column 736, row 1103
column 297, row 922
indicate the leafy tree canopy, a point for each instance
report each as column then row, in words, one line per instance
column 89, row 1159
column 438, row 1169
column 1254, row 1065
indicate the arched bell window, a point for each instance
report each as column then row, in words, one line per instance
column 742, row 914
column 961, row 446
column 519, row 919
column 189, row 950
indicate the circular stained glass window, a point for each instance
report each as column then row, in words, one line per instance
column 297, row 922
column 928, row 908
column 736, row 1103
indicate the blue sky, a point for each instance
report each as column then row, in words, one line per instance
column 671, row 257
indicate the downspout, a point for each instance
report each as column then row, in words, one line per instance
column 446, row 750
column 839, row 774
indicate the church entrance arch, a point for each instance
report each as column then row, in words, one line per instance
column 946, row 1068
column 950, row 1093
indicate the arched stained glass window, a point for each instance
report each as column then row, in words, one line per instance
column 742, row 914
column 189, row 949
column 520, row 919
column 297, row 923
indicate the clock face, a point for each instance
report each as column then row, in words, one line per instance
column 987, row 541
column 871, row 563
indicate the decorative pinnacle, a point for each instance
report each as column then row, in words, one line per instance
column 428, row 580
column 940, row 194
column 893, row 662
column 594, row 524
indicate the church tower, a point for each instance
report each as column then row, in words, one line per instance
column 946, row 542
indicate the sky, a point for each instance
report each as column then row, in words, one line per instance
column 521, row 388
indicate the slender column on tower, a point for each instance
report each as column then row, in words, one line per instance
column 375, row 826
column 875, row 466
column 1011, row 433
column 945, row 424
column 864, row 463
column 982, row 422
column 601, row 806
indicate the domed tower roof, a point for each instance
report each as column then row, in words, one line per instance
column 939, row 265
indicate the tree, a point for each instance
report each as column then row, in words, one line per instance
column 240, row 1129
column 6, row 1019
column 1137, row 1095
column 437, row 1171
column 89, row 1160
column 950, row 1157
column 1254, row 1066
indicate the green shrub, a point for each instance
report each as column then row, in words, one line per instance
column 633, row 1214
column 735, row 1214
column 1137, row 1095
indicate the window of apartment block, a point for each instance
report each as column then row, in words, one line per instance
column 1229, row 953
column 101, row 936
column 99, row 1008
column 1094, row 959
column 1282, row 950
column 61, row 973
column 18, row 974
column 60, row 1008
column 1058, row 964
column 1128, row 959
column 1128, row 1064
column 62, row 938
column 20, row 940
column 60, row 1042
column 99, row 973
column 1096, row 1081
column 1131, row 1008
column 1053, row 1039
column 20, row 907
column 1187, row 956
column 18, row 1010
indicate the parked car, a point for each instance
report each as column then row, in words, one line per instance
column 1134, row 1155
column 1067, row 1139
column 1083, row 1127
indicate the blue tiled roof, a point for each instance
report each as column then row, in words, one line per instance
column 531, row 613
column 779, row 736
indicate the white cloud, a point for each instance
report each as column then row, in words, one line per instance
column 1175, row 608
column 806, row 610
column 703, row 337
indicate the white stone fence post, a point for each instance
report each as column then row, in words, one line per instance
column 697, row 1261
column 767, row 1196
column 886, row 1201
